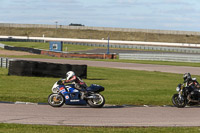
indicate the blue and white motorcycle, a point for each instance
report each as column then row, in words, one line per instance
column 70, row 96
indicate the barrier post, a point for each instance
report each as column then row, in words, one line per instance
column 6, row 62
column 108, row 51
column 1, row 62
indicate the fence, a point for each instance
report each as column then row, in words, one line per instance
column 4, row 62
column 25, row 49
column 99, row 28
column 161, row 57
column 142, row 47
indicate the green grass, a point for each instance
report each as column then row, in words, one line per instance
column 122, row 86
column 45, row 46
column 160, row 62
column 38, row 45
column 19, row 128
column 133, row 87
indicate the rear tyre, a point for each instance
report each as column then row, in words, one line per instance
column 96, row 102
column 56, row 100
column 180, row 103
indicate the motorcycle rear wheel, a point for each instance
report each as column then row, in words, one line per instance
column 97, row 102
column 56, row 100
column 178, row 102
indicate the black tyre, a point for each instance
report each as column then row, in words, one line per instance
column 96, row 102
column 56, row 100
column 180, row 103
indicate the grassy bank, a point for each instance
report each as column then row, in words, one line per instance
column 18, row 128
column 96, row 34
column 122, row 86
column 45, row 46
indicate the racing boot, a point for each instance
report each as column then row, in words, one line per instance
column 83, row 93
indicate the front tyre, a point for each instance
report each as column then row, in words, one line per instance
column 97, row 102
column 178, row 102
column 56, row 100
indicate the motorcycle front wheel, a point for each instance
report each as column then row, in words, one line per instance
column 97, row 102
column 180, row 103
column 56, row 100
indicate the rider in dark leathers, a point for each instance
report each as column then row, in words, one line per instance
column 192, row 84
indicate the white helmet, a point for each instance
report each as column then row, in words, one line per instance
column 69, row 74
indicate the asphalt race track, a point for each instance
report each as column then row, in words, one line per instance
column 109, row 115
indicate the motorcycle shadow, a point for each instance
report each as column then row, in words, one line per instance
column 87, row 106
column 194, row 106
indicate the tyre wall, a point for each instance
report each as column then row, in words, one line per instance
column 44, row 69
column 25, row 49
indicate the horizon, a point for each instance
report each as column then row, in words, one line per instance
column 58, row 26
column 176, row 15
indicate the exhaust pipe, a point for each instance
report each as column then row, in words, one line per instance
column 191, row 100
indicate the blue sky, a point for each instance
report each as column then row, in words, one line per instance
column 140, row 14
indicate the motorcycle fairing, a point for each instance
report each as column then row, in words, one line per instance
column 62, row 89
column 95, row 88
column 71, row 95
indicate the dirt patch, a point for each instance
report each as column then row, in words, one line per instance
column 8, row 52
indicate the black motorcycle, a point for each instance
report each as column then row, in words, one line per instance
column 187, row 95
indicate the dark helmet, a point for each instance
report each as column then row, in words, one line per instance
column 186, row 77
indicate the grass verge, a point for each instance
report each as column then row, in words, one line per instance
column 45, row 46
column 122, row 86
column 19, row 128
